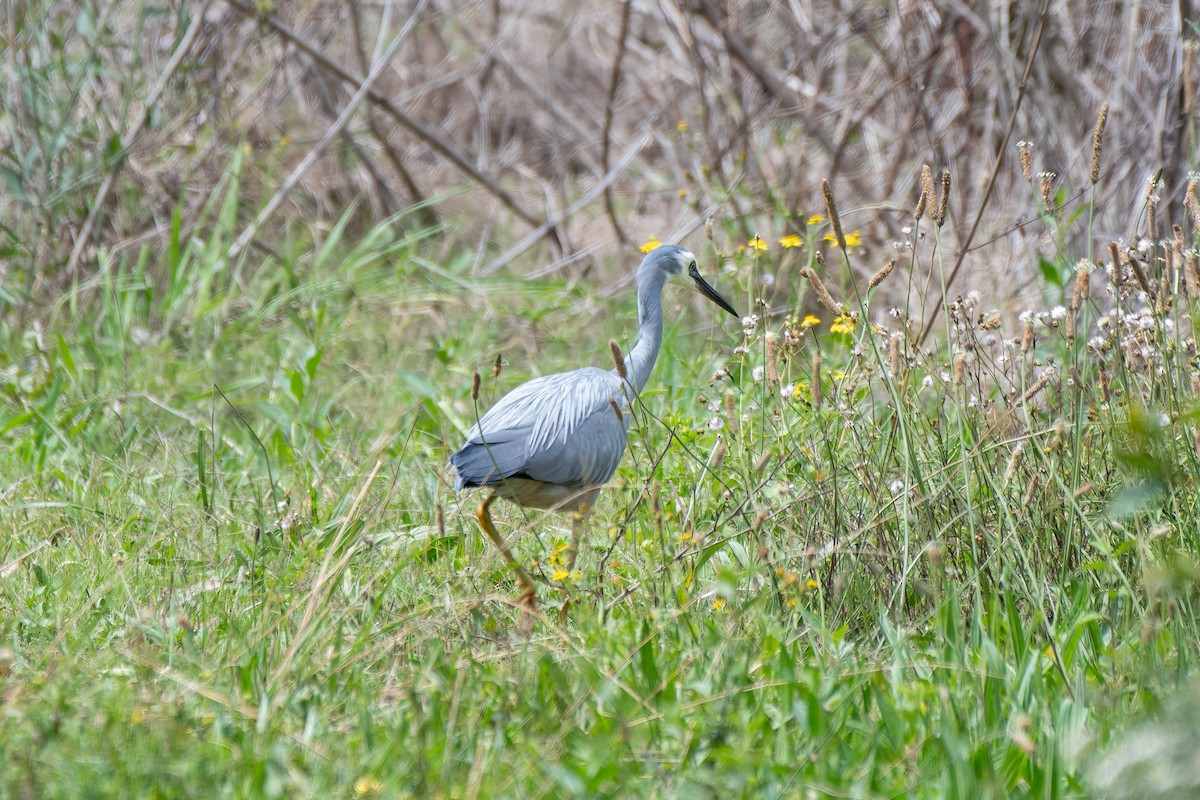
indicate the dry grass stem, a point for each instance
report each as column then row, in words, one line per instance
column 1079, row 291
column 895, row 355
column 1191, row 201
column 1118, row 269
column 1046, row 187
column 1191, row 274
column 1034, row 482
column 730, row 411
column 497, row 365
column 475, row 381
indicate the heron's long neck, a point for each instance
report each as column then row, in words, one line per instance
column 641, row 359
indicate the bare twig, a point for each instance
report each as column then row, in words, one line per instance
column 606, row 138
column 430, row 138
column 132, row 132
column 964, row 248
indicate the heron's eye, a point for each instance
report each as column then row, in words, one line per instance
column 692, row 267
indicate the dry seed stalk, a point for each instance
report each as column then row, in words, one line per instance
column 927, row 192
column 1025, row 152
column 617, row 357
column 960, row 369
column 496, row 366
column 1118, row 270
column 772, row 341
column 1192, row 202
column 894, row 353
column 823, row 295
column 1083, row 275
column 1163, row 303
column 475, row 386
column 831, row 212
column 729, row 415
column 1039, row 384
column 1189, row 86
column 1014, row 463
column 1098, row 142
column 1069, row 328
column 718, row 452
column 1046, row 183
column 881, row 276
column 943, row 199
column 1032, row 490
column 1191, row 274
column 762, row 462
column 1027, row 337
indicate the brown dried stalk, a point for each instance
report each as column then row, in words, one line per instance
column 1098, row 142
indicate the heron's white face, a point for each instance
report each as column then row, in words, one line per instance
column 680, row 267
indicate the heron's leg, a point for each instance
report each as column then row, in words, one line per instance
column 484, row 515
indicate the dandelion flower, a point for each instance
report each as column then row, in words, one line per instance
column 842, row 325
column 560, row 574
column 816, row 219
column 757, row 243
column 810, row 321
column 651, row 244
column 852, row 239
column 791, row 240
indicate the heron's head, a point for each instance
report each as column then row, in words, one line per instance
column 680, row 267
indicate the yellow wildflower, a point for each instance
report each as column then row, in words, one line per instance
column 681, row 126
column 842, row 325
column 368, row 787
column 816, row 219
column 718, row 604
column 810, row 321
column 560, row 574
column 651, row 244
column 757, row 243
column 852, row 239
column 811, row 584
column 800, row 390
column 791, row 240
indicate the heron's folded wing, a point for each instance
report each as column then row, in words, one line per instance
column 560, row 429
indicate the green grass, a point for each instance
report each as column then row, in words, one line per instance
column 233, row 566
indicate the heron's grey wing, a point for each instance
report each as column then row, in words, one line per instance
column 558, row 429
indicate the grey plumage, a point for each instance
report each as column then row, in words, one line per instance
column 552, row 442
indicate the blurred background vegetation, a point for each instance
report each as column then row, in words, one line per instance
column 570, row 129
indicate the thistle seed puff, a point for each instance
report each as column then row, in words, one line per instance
column 880, row 276
column 1098, row 142
column 823, row 295
column 943, row 199
column 831, row 212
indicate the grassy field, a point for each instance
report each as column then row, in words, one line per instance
column 833, row 563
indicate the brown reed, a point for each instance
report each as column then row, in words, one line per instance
column 1025, row 153
column 927, row 192
column 618, row 358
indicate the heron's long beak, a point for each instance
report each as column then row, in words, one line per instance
column 709, row 292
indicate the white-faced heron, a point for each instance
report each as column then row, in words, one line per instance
column 554, row 441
